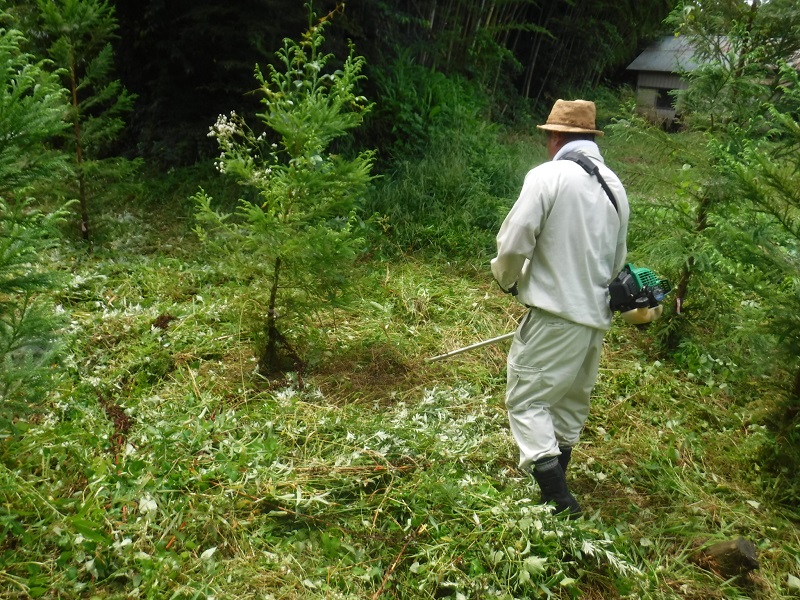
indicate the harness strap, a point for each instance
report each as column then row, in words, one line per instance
column 591, row 169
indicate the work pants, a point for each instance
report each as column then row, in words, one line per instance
column 552, row 368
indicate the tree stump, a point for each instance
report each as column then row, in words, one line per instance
column 729, row 558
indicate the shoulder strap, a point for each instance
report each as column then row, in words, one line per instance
column 591, row 169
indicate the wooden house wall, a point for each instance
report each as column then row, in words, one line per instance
column 664, row 81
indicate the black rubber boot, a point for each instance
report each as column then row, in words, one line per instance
column 553, row 484
column 564, row 457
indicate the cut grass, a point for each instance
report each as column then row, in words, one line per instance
column 163, row 466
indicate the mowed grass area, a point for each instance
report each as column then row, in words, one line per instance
column 163, row 466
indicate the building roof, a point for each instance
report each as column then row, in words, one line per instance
column 671, row 54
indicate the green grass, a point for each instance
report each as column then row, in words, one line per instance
column 163, row 466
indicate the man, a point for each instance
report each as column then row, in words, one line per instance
column 560, row 246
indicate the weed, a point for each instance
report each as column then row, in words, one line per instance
column 162, row 464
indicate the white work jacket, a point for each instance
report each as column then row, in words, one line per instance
column 563, row 242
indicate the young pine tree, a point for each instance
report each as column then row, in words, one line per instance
column 299, row 233
column 32, row 107
column 80, row 34
column 766, row 173
column 738, row 46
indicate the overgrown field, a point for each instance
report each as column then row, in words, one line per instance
column 163, row 466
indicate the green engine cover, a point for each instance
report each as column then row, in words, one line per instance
column 644, row 277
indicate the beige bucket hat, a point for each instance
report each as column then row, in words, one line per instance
column 572, row 116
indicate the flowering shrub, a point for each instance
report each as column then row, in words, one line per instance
column 301, row 235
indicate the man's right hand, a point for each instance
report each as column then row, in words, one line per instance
column 512, row 290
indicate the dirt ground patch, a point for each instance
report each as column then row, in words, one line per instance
column 378, row 373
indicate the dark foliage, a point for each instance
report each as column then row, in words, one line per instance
column 190, row 61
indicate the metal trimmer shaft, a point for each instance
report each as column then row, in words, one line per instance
column 494, row 340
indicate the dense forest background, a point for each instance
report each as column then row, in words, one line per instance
column 231, row 234
column 187, row 62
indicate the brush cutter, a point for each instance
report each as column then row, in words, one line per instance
column 636, row 293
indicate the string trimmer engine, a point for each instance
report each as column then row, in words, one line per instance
column 637, row 288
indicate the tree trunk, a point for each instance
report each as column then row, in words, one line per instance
column 454, row 15
column 536, row 47
column 269, row 357
column 531, row 69
column 682, row 288
column 701, row 225
column 796, row 390
column 729, row 559
column 473, row 26
column 561, row 51
column 76, row 127
column 278, row 356
column 683, row 284
column 747, row 46
column 427, row 58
